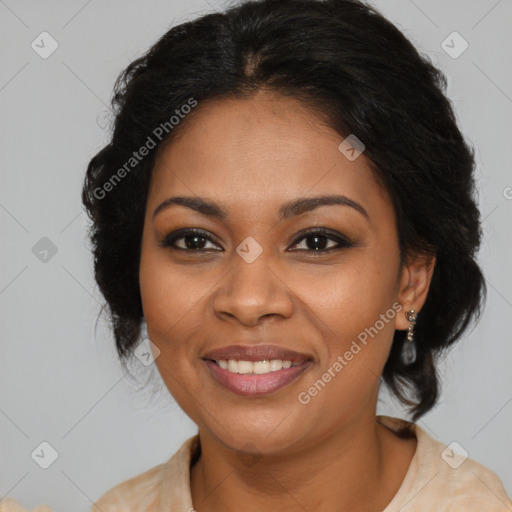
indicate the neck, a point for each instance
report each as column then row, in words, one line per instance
column 338, row 469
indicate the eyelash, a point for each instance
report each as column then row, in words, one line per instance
column 343, row 242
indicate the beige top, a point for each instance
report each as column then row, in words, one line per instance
column 437, row 480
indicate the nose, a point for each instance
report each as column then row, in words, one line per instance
column 251, row 291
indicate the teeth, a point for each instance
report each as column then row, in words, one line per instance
column 260, row 367
column 244, row 366
column 275, row 364
column 254, row 367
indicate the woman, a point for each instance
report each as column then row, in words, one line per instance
column 287, row 205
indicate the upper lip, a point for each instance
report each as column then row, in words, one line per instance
column 256, row 353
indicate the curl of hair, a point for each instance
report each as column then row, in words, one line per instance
column 360, row 75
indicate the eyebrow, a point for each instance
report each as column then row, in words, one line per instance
column 287, row 210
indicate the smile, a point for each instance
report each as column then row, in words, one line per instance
column 246, row 381
column 255, row 367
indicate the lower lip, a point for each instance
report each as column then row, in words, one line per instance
column 256, row 385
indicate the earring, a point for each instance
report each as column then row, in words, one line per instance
column 409, row 349
column 411, row 316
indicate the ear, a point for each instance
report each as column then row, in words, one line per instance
column 414, row 284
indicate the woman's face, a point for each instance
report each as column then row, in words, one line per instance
column 253, row 279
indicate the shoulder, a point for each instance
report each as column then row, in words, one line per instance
column 148, row 490
column 133, row 493
column 457, row 481
column 11, row 505
column 443, row 478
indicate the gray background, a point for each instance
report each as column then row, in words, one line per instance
column 61, row 383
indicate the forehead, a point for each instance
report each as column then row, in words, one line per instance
column 266, row 148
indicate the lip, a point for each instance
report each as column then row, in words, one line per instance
column 256, row 353
column 256, row 385
column 252, row 384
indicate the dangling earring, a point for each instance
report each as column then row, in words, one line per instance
column 411, row 316
column 409, row 349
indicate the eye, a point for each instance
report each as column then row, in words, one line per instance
column 193, row 240
column 196, row 240
column 319, row 239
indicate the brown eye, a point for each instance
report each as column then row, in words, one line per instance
column 193, row 240
column 318, row 240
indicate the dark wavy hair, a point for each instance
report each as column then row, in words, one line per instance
column 356, row 70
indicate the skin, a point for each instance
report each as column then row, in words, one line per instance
column 273, row 453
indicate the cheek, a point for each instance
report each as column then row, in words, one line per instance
column 351, row 295
column 168, row 301
column 346, row 307
column 352, row 306
column 169, row 293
